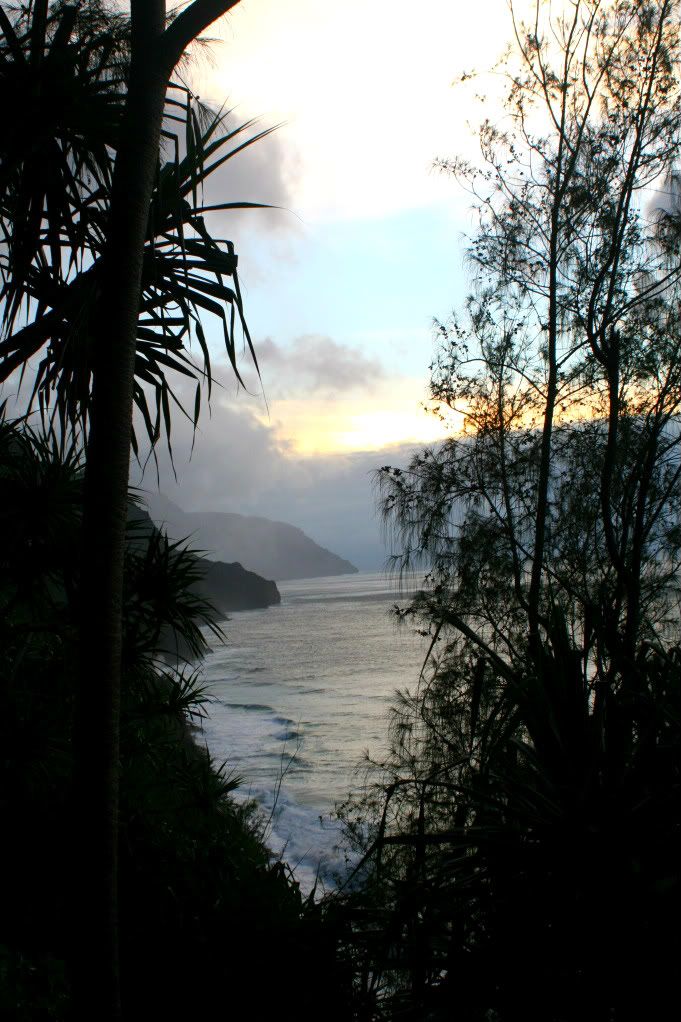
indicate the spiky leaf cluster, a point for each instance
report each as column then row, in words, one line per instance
column 63, row 72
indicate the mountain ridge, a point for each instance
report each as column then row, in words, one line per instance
column 273, row 549
column 228, row 586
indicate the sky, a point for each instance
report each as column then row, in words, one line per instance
column 343, row 280
column 365, row 245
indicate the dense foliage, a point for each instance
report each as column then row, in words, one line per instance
column 522, row 840
column 205, row 913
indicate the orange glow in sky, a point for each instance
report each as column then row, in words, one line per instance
column 395, row 415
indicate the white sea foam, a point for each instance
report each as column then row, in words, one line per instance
column 300, row 692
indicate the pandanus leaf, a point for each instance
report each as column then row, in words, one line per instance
column 54, row 223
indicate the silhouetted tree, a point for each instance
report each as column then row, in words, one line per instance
column 96, row 234
column 543, row 730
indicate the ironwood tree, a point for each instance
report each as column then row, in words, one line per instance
column 524, row 824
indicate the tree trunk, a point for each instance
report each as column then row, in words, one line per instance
column 155, row 50
column 96, row 736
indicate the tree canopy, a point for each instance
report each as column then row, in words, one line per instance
column 523, row 828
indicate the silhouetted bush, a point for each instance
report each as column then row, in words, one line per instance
column 524, row 858
column 206, row 916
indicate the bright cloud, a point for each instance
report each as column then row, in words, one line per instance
column 243, row 463
column 364, row 89
column 394, row 414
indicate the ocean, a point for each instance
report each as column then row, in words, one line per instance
column 299, row 693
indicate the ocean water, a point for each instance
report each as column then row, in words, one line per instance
column 299, row 693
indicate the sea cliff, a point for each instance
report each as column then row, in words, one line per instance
column 229, row 587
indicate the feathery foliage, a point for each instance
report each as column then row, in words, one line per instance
column 521, row 843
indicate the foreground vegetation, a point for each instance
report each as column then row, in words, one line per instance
column 106, row 268
column 205, row 912
column 521, row 842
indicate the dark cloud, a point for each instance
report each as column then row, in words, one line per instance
column 261, row 172
column 231, row 455
column 316, row 364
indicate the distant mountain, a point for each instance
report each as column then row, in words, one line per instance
column 229, row 587
column 273, row 549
